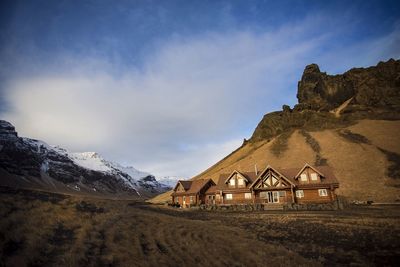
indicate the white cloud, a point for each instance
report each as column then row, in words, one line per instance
column 192, row 103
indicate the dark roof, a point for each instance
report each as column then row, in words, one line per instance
column 186, row 184
column 192, row 187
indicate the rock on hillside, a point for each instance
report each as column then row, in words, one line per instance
column 370, row 87
column 327, row 101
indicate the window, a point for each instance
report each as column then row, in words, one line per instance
column 247, row 195
column 177, row 199
column 184, row 198
column 322, row 192
column 282, row 193
column 299, row 193
column 232, row 181
column 303, row 177
column 314, row 177
column 191, row 199
column 240, row 181
column 228, row 196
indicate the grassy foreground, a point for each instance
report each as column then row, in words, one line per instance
column 44, row 229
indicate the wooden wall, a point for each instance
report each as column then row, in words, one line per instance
column 312, row 196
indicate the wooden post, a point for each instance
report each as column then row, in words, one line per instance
column 291, row 189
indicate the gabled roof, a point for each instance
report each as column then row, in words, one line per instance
column 194, row 186
column 223, row 178
column 327, row 177
column 233, row 173
column 309, row 166
column 185, row 184
column 275, row 170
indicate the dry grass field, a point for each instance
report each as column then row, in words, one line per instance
column 45, row 229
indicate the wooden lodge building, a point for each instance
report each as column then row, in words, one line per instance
column 272, row 186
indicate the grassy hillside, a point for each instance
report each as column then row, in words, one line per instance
column 364, row 156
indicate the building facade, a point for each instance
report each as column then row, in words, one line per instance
column 270, row 186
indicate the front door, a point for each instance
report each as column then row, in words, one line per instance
column 273, row 197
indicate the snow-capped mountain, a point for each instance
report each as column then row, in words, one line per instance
column 170, row 180
column 26, row 162
column 131, row 176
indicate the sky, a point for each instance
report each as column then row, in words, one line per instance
column 171, row 87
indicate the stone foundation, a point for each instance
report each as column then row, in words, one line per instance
column 336, row 205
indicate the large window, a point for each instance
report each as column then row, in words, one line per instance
column 247, row 195
column 303, row 177
column 228, row 197
column 299, row 193
column 314, row 177
column 322, row 192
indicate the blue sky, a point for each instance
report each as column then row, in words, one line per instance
column 171, row 87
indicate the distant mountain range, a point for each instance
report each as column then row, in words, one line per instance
column 30, row 163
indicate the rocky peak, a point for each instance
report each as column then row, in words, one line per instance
column 377, row 86
column 328, row 101
column 312, row 68
column 7, row 131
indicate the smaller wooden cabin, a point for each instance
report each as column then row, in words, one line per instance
column 191, row 193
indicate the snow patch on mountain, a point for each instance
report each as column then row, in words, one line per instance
column 131, row 176
column 170, row 181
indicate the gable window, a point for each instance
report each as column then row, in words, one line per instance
column 240, row 182
column 232, row 181
column 191, row 199
column 314, row 177
column 228, row 197
column 247, row 195
column 303, row 177
column 322, row 192
column 299, row 193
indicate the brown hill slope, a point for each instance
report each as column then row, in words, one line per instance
column 360, row 142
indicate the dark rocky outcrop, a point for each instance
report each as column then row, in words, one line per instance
column 371, row 87
column 372, row 93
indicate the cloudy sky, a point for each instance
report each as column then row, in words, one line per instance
column 171, row 87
